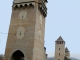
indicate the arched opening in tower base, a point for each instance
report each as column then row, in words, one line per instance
column 17, row 55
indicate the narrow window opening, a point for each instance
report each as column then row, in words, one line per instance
column 59, row 54
column 60, row 42
column 58, row 59
column 59, row 48
column 56, row 42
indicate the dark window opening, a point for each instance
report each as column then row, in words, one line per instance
column 60, row 42
column 59, row 48
column 58, row 59
column 59, row 54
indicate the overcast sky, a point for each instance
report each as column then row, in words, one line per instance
column 63, row 19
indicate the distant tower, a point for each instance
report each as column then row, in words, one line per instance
column 26, row 32
column 67, row 53
column 59, row 49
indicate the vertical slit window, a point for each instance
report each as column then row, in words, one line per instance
column 59, row 54
column 59, row 48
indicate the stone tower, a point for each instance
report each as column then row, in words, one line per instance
column 67, row 53
column 26, row 32
column 59, row 49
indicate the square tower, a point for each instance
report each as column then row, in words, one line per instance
column 26, row 32
column 59, row 49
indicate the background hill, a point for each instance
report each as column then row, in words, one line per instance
column 52, row 58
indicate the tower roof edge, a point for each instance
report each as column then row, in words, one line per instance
column 66, row 50
column 60, row 39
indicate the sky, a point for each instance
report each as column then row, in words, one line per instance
column 63, row 19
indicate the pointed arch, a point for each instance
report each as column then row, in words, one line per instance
column 17, row 55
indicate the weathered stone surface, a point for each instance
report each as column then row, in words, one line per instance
column 29, row 39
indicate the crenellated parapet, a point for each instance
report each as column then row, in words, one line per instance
column 28, row 25
column 31, row 3
column 42, row 7
column 23, row 5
